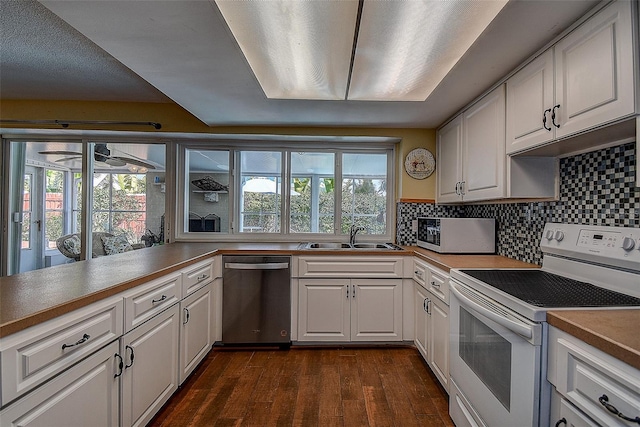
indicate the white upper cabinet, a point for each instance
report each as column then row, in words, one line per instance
column 529, row 104
column 450, row 161
column 594, row 71
column 483, row 156
column 584, row 81
column 471, row 154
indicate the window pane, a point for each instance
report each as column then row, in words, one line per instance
column 364, row 192
column 208, row 195
column 26, row 211
column 261, row 191
column 119, row 204
column 54, row 207
column 312, row 197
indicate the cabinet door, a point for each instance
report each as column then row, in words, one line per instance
column 449, row 168
column 439, row 331
column 150, row 377
column 421, row 321
column 594, row 71
column 483, row 148
column 376, row 310
column 84, row 395
column 324, row 310
column 195, row 331
column 529, row 96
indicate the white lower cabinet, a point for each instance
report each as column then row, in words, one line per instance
column 150, row 373
column 83, row 395
column 431, row 316
column 591, row 388
column 350, row 310
column 432, row 332
column 195, row 329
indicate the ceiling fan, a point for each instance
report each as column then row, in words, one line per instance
column 101, row 154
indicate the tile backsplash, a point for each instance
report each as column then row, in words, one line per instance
column 596, row 188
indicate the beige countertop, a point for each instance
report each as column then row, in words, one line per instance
column 448, row 261
column 34, row 297
column 613, row 331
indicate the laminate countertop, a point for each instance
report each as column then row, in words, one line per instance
column 30, row 298
column 615, row 332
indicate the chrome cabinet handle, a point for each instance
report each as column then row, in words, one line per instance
column 428, row 306
column 604, row 400
column 354, row 291
column 544, row 119
column 348, row 291
column 82, row 340
column 130, row 364
column 120, row 365
column 462, row 193
column 435, row 285
column 458, row 188
column 186, row 316
column 424, row 305
column 202, row 277
column 164, row 297
column 553, row 116
column 561, row 420
column 418, row 273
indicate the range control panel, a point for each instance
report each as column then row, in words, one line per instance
column 619, row 246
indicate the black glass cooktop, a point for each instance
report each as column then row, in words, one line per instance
column 544, row 289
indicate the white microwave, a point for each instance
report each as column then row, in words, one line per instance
column 457, row 235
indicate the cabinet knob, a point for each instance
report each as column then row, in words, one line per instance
column 544, row 119
column 553, row 116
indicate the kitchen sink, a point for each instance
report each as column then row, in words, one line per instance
column 356, row 246
column 328, row 245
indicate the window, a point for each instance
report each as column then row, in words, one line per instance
column 261, row 191
column 364, row 192
column 312, row 195
column 54, row 207
column 119, row 204
column 289, row 191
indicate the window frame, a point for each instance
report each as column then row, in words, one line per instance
column 387, row 148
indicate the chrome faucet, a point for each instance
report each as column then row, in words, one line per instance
column 352, row 233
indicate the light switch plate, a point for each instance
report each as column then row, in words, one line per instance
column 414, row 225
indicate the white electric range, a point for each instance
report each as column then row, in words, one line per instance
column 498, row 319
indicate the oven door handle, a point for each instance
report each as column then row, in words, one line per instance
column 519, row 328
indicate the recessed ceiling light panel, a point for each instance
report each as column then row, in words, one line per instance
column 406, row 48
column 296, row 49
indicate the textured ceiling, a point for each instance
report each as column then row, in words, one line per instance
column 182, row 51
column 42, row 57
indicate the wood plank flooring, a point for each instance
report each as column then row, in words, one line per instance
column 309, row 387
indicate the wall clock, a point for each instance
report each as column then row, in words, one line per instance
column 419, row 163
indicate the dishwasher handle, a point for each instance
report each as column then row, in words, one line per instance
column 256, row 266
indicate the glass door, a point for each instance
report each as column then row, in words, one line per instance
column 31, row 250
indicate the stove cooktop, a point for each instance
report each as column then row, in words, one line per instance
column 543, row 289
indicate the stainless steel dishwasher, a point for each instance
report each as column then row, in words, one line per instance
column 256, row 300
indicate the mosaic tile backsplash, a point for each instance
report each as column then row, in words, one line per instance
column 596, row 188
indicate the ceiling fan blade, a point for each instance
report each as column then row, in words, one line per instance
column 112, row 161
column 66, row 159
column 135, row 162
column 61, row 153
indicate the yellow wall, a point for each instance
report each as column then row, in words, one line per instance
column 175, row 119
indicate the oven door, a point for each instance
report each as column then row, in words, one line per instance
column 495, row 362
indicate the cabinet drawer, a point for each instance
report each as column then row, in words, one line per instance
column 590, row 379
column 420, row 272
column 196, row 276
column 350, row 267
column 439, row 284
column 84, row 395
column 145, row 301
column 35, row 355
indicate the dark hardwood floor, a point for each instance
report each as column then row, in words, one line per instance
column 309, row 387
